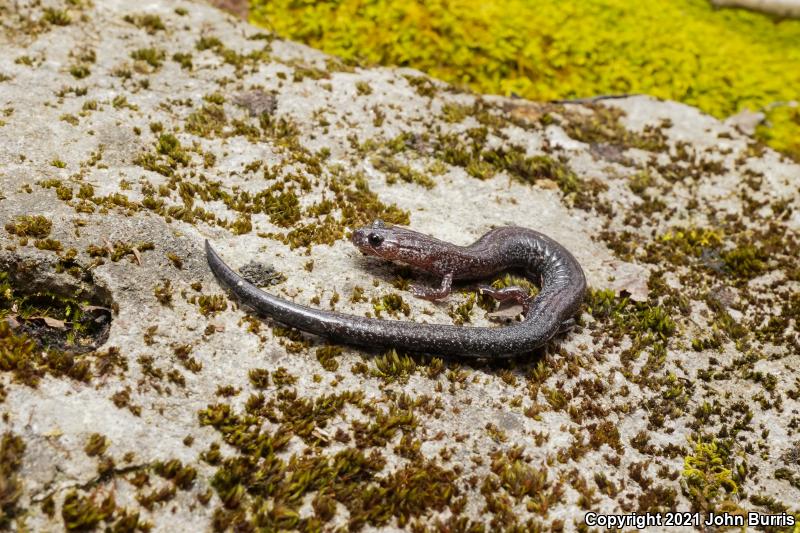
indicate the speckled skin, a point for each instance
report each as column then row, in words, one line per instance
column 562, row 290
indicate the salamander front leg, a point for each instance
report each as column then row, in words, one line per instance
column 428, row 293
column 515, row 294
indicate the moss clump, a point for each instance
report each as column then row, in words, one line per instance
column 259, row 378
column 745, row 261
column 462, row 313
column 326, row 355
column 81, row 513
column 392, row 303
column 56, row 17
column 96, row 444
column 149, row 22
column 184, row 60
column 182, row 476
column 208, row 121
column 603, row 125
column 152, row 56
column 36, row 226
column 168, row 156
column 12, row 449
column 79, row 71
column 392, row 366
column 708, row 477
column 394, row 170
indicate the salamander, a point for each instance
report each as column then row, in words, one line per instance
column 549, row 313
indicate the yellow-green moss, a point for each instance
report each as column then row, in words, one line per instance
column 30, row 226
column 721, row 61
column 12, row 448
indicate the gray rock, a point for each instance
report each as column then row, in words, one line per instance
column 138, row 131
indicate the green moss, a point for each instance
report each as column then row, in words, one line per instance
column 152, row 56
column 708, row 478
column 462, row 312
column 184, row 60
column 48, row 244
column 394, row 170
column 241, row 225
column 163, row 293
column 182, row 476
column 326, row 355
column 149, row 22
column 79, row 71
column 720, row 60
column 56, row 17
column 363, row 88
column 603, row 125
column 82, row 513
column 259, row 378
column 392, row 366
column 745, row 261
column 12, row 448
column 207, row 121
column 168, row 156
column 780, row 130
column 282, row 378
column 182, row 353
column 96, row 444
column 30, row 226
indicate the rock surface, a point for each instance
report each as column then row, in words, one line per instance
column 131, row 132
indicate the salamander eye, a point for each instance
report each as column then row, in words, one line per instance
column 375, row 239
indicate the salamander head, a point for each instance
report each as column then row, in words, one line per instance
column 395, row 243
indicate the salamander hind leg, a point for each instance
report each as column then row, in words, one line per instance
column 515, row 294
column 428, row 293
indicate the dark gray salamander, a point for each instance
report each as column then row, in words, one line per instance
column 551, row 311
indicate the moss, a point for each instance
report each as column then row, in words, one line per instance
column 395, row 170
column 452, row 112
column 363, row 88
column 184, row 60
column 708, row 478
column 96, row 445
column 182, row 476
column 48, row 244
column 603, row 47
column 603, row 125
column 282, row 378
column 208, row 121
column 36, row 226
column 182, row 353
column 12, row 448
column 56, row 17
column 211, row 304
column 147, row 21
column 326, row 355
column 392, row 303
column 461, row 313
column 152, row 56
column 82, row 513
column 242, row 225
column 168, row 156
column 392, row 366
column 745, row 261
column 259, row 378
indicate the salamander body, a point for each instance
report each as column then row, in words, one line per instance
column 550, row 312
